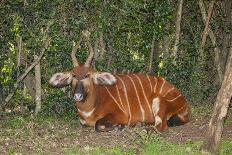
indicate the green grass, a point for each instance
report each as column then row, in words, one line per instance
column 99, row 151
column 201, row 111
column 226, row 147
column 17, row 122
column 158, row 147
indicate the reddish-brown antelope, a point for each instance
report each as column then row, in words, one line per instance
column 106, row 100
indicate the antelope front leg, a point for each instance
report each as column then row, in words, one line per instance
column 106, row 124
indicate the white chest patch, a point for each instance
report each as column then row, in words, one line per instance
column 86, row 114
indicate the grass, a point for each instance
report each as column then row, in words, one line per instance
column 166, row 148
column 158, row 147
column 98, row 151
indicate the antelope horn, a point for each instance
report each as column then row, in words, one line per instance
column 91, row 53
column 73, row 53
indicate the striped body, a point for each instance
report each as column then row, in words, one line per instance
column 104, row 100
column 134, row 98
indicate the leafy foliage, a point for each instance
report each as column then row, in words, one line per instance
column 128, row 28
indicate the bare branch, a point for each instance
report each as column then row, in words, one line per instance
column 206, row 29
column 21, row 77
column 217, row 51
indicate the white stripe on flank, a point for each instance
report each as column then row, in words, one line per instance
column 161, row 88
column 140, row 106
column 155, row 106
column 119, row 96
column 183, row 114
column 128, row 104
column 155, row 84
column 149, row 106
column 115, row 100
column 174, row 98
column 149, row 81
column 168, row 91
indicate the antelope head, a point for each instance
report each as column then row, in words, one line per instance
column 81, row 77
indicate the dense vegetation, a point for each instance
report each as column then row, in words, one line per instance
column 124, row 34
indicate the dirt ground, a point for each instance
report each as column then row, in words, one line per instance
column 57, row 135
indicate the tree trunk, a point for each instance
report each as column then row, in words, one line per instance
column 30, row 83
column 154, row 54
column 37, row 87
column 110, row 50
column 1, row 100
column 178, row 22
column 215, row 129
column 226, row 34
column 21, row 77
column 19, row 51
column 151, row 55
column 166, row 41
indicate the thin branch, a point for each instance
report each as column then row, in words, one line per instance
column 217, row 51
column 21, row 77
column 206, row 29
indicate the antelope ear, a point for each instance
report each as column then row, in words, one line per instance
column 104, row 78
column 60, row 80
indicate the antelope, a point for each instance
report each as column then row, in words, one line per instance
column 105, row 100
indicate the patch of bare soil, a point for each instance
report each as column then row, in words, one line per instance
column 59, row 135
column 195, row 130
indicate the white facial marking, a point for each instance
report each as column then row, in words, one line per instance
column 78, row 97
column 155, row 105
column 157, row 120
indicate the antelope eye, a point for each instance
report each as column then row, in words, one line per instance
column 87, row 75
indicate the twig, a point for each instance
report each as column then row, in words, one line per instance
column 21, row 77
column 206, row 29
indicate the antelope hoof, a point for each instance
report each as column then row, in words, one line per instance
column 103, row 126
